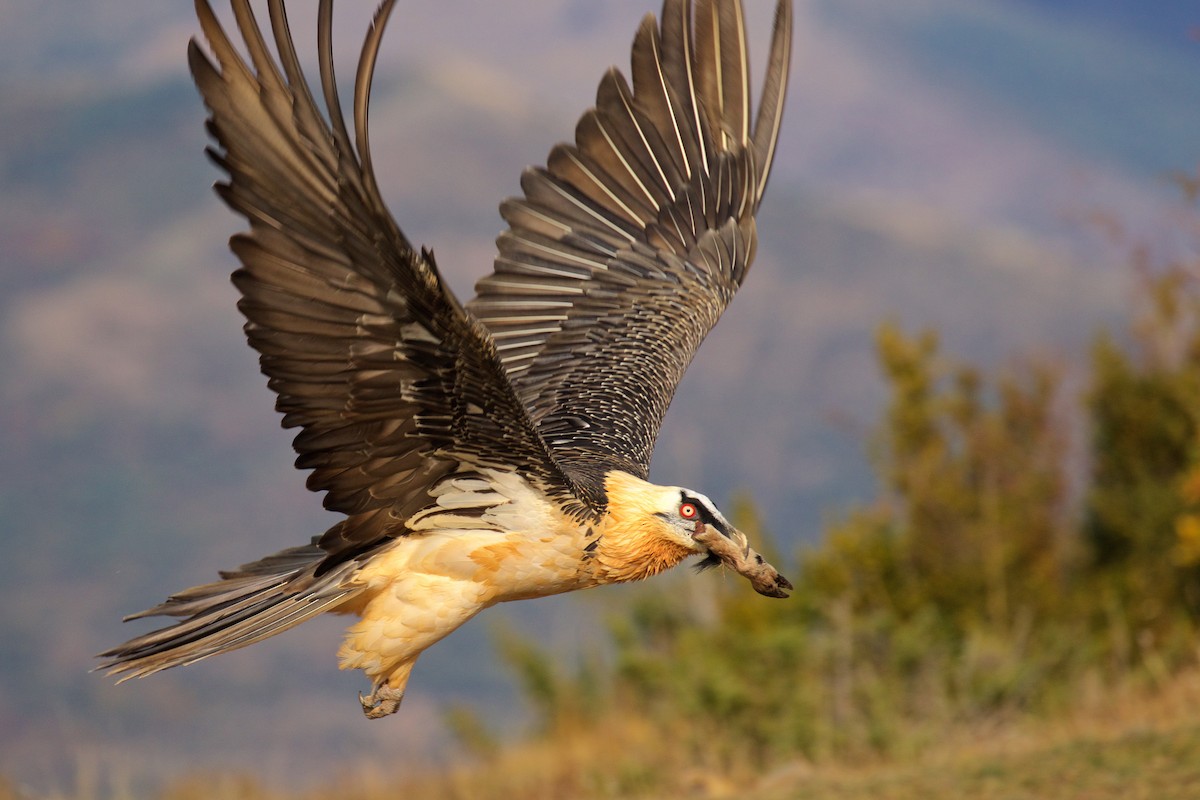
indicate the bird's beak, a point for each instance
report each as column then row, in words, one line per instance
column 735, row 552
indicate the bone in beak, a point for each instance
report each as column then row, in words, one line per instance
column 735, row 552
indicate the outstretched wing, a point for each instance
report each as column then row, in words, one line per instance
column 392, row 384
column 629, row 244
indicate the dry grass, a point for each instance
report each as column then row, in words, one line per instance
column 1149, row 765
column 1130, row 745
column 1134, row 745
column 1125, row 746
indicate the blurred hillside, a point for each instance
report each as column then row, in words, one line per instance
column 941, row 164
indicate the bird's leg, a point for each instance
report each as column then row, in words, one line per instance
column 385, row 697
column 382, row 701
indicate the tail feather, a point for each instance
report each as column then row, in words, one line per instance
column 247, row 605
column 283, row 566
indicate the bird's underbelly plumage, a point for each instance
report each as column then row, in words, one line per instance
column 425, row 585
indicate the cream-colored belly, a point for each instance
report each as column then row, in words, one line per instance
column 425, row 585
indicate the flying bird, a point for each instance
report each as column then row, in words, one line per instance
column 496, row 450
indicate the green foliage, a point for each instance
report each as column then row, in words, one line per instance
column 1144, row 422
column 1142, row 523
column 976, row 480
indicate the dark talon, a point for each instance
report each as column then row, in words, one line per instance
column 381, row 702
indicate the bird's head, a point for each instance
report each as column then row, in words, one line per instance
column 698, row 523
column 674, row 522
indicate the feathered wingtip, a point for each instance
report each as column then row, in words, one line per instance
column 774, row 93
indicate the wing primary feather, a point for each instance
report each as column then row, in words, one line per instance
column 770, row 109
column 305, row 106
column 737, row 73
column 616, row 149
column 214, row 34
column 651, row 92
column 708, row 52
column 633, row 216
column 275, row 119
column 614, row 85
column 264, row 65
column 285, row 107
column 333, row 103
column 725, row 88
column 677, row 62
column 670, row 103
column 362, row 91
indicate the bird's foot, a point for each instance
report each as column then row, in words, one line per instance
column 384, row 700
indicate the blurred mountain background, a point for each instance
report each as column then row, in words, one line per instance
column 963, row 164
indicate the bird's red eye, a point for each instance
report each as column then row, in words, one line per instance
column 687, row 511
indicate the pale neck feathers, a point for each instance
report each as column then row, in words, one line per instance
column 635, row 542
